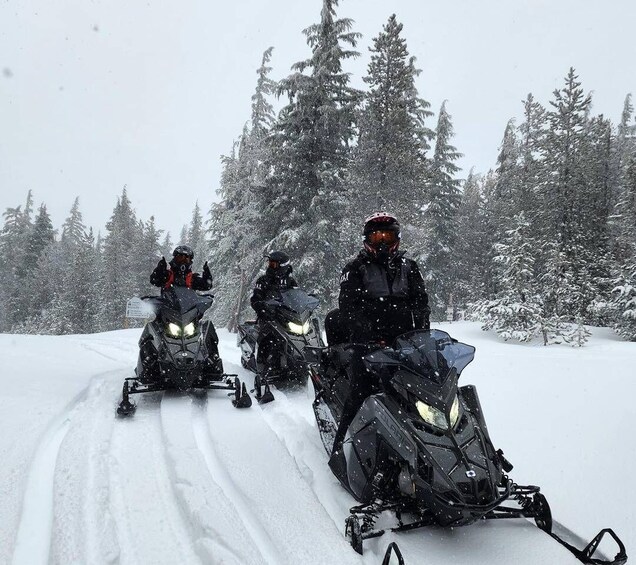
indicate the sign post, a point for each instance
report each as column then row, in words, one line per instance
column 136, row 308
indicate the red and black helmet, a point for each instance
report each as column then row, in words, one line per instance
column 381, row 233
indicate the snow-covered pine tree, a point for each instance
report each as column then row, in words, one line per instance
column 311, row 157
column 119, row 268
column 566, row 278
column 474, row 244
column 39, row 256
column 623, row 302
column 237, row 231
column 440, row 219
column 196, row 237
column 150, row 251
column 167, row 246
column 389, row 167
column 73, row 308
column 530, row 134
column 515, row 313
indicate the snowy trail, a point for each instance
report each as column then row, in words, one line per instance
column 225, row 481
column 218, row 532
column 148, row 521
column 267, row 483
column 190, row 479
column 34, row 532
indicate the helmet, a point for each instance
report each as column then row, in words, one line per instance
column 182, row 255
column 277, row 259
column 381, row 235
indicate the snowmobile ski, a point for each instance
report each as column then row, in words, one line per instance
column 241, row 397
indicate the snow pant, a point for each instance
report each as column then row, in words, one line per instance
column 361, row 386
column 336, row 328
column 267, row 356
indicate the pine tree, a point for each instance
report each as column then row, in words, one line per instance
column 474, row 243
column 40, row 256
column 390, row 163
column 440, row 219
column 150, row 251
column 563, row 240
column 119, row 270
column 74, row 308
column 516, row 311
column 236, row 232
column 310, row 157
column 196, row 236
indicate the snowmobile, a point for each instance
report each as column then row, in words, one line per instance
column 178, row 350
column 292, row 327
column 419, row 447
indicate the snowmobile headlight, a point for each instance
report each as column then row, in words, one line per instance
column 189, row 330
column 173, row 330
column 299, row 329
column 454, row 413
column 437, row 418
column 431, row 415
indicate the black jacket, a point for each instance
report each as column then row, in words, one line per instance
column 268, row 286
column 381, row 301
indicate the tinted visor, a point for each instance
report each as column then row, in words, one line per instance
column 383, row 236
column 182, row 259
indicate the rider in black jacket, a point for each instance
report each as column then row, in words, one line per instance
column 382, row 295
column 277, row 277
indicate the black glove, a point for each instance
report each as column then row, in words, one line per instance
column 206, row 274
column 162, row 267
column 160, row 275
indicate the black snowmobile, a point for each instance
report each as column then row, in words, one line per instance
column 419, row 447
column 178, row 350
column 292, row 326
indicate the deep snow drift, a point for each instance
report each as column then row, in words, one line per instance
column 189, row 479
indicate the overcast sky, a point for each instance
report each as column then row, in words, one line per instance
column 97, row 94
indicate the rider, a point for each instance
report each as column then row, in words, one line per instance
column 382, row 295
column 179, row 274
column 180, row 271
column 277, row 277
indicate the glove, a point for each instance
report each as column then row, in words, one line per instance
column 162, row 267
column 160, row 275
column 206, row 274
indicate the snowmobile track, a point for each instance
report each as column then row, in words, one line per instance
column 149, row 522
column 33, row 540
column 223, row 479
column 218, row 531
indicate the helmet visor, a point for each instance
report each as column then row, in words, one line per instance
column 182, row 259
column 273, row 264
column 382, row 236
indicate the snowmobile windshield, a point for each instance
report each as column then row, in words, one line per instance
column 298, row 301
column 180, row 299
column 433, row 354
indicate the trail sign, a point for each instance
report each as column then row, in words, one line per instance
column 137, row 308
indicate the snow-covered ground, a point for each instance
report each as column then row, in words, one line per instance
column 192, row 480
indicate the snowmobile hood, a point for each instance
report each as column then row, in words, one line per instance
column 295, row 304
column 182, row 304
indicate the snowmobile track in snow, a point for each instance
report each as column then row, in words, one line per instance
column 223, row 479
column 33, row 540
column 150, row 525
column 218, row 531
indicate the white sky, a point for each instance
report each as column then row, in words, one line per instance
column 96, row 94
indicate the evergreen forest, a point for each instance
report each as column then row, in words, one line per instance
column 540, row 246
